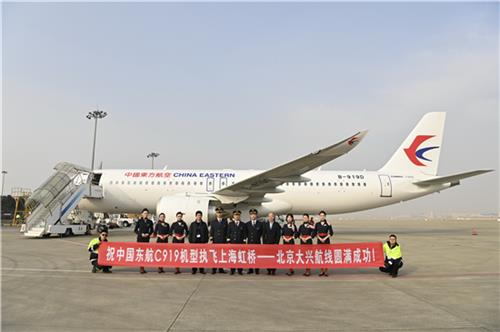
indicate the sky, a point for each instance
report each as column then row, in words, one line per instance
column 251, row 86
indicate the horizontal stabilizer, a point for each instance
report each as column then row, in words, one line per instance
column 450, row 178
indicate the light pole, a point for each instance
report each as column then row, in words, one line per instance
column 153, row 155
column 3, row 180
column 95, row 115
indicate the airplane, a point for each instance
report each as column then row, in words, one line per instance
column 294, row 187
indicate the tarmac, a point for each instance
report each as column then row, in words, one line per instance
column 450, row 282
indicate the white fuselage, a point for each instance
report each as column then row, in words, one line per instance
column 129, row 191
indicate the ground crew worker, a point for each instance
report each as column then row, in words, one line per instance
column 393, row 257
column 236, row 234
column 179, row 231
column 94, row 249
column 198, row 233
column 306, row 235
column 161, row 232
column 289, row 234
column 323, row 232
column 218, row 232
column 144, row 230
column 254, row 233
column 271, row 234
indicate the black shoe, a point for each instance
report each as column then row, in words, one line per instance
column 383, row 269
column 257, row 272
column 240, row 273
column 232, row 272
column 193, row 272
column 222, row 271
column 250, row 272
column 214, row 271
column 94, row 269
column 273, row 272
column 106, row 271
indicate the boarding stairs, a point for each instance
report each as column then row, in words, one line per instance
column 52, row 202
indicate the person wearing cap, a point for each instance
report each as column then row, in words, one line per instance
column 179, row 231
column 323, row 232
column 306, row 235
column 94, row 250
column 218, row 232
column 144, row 230
column 254, row 233
column 289, row 234
column 271, row 234
column 161, row 232
column 236, row 234
column 393, row 256
column 198, row 233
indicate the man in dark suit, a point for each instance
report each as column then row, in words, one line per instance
column 198, row 233
column 144, row 230
column 254, row 233
column 271, row 234
column 236, row 234
column 218, row 232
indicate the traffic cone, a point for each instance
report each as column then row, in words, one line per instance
column 474, row 231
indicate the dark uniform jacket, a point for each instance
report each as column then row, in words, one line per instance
column 254, row 233
column 162, row 228
column 323, row 229
column 179, row 228
column 289, row 232
column 218, row 231
column 271, row 235
column 198, row 232
column 143, row 226
column 306, row 230
column 236, row 233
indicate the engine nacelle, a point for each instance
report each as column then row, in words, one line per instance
column 170, row 205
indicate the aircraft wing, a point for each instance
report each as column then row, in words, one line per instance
column 255, row 187
column 453, row 179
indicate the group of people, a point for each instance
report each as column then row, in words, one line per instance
column 235, row 231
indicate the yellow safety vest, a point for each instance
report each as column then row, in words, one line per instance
column 393, row 253
column 92, row 243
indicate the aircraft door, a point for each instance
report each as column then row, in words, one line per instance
column 222, row 182
column 385, row 186
column 210, row 184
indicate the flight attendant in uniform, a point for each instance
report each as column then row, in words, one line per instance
column 218, row 232
column 271, row 234
column 306, row 235
column 289, row 234
column 161, row 232
column 179, row 231
column 236, row 234
column 323, row 232
column 254, row 233
column 144, row 230
column 198, row 233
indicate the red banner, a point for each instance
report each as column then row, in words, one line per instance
column 340, row 255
